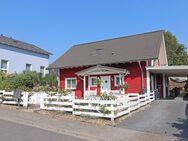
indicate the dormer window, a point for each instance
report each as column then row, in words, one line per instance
column 97, row 51
column 113, row 53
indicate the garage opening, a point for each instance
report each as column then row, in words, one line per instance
column 159, row 77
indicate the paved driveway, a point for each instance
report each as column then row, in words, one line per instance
column 168, row 117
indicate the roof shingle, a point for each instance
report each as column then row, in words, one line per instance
column 119, row 50
column 22, row 45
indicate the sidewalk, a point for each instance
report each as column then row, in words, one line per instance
column 79, row 129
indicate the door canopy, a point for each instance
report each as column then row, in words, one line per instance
column 98, row 70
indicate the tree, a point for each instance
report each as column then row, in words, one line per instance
column 176, row 52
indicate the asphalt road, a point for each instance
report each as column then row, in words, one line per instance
column 10, row 131
column 167, row 117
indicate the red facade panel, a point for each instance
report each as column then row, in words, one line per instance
column 133, row 79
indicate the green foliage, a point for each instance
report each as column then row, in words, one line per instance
column 176, row 52
column 105, row 96
column 99, row 81
column 28, row 81
column 104, row 110
column 64, row 92
column 5, row 81
column 24, row 81
column 124, row 87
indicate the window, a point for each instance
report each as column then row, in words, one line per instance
column 93, row 81
column 28, row 67
column 97, row 51
column 42, row 70
column 4, row 66
column 70, row 83
column 117, row 81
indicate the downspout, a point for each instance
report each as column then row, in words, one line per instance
column 58, row 78
column 142, row 76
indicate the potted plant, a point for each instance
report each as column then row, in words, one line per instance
column 123, row 87
column 99, row 81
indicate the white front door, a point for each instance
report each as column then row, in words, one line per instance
column 105, row 84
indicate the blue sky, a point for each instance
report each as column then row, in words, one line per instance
column 56, row 25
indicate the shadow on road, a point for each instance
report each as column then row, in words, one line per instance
column 182, row 125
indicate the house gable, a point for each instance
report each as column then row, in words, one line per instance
column 162, row 58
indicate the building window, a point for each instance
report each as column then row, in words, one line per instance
column 28, row 67
column 4, row 66
column 117, row 81
column 42, row 70
column 70, row 83
column 93, row 81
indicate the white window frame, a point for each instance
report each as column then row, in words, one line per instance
column 90, row 81
column 71, row 79
column 26, row 67
column 7, row 69
column 115, row 78
column 44, row 71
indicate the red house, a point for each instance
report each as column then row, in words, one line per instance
column 138, row 60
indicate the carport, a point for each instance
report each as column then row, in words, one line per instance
column 157, row 77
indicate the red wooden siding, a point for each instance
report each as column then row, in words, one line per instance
column 66, row 73
column 133, row 79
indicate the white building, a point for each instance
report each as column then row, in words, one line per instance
column 17, row 56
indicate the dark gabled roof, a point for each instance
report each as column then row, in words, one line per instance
column 22, row 45
column 119, row 50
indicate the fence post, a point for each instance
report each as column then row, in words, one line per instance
column 112, row 114
column 73, row 100
column 138, row 96
column 128, row 103
column 43, row 96
column 1, row 95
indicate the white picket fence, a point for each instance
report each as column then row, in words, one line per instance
column 1, row 95
column 58, row 102
column 151, row 97
column 101, row 108
column 9, row 99
column 112, row 109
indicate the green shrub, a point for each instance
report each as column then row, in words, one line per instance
column 28, row 81
column 105, row 96
column 124, row 87
column 65, row 92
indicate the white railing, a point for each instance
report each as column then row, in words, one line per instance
column 58, row 102
column 9, row 99
column 142, row 99
column 151, row 96
column 134, row 101
column 35, row 97
column 1, row 95
column 102, row 108
column 89, row 93
column 94, row 106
